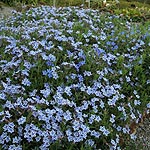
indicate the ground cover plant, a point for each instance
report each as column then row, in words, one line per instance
column 71, row 78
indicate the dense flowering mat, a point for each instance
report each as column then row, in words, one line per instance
column 71, row 78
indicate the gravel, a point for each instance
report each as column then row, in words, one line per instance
column 5, row 11
column 143, row 135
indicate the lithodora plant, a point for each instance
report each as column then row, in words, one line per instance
column 71, row 78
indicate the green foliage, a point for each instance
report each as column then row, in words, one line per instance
column 141, row 1
column 134, row 14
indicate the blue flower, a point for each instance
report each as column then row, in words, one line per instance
column 104, row 130
column 67, row 115
column 126, row 130
column 76, row 125
column 21, row 120
column 80, row 77
column 25, row 72
column 90, row 90
column 46, row 92
column 99, row 51
column 112, row 118
column 3, row 96
column 68, row 132
column 95, row 133
column 4, row 138
column 17, row 139
column 87, row 73
column 68, row 91
column 102, row 104
column 51, row 58
column 148, row 105
column 26, row 82
column 9, row 105
column 14, row 147
column 133, row 136
column 48, row 72
column 119, row 128
column 49, row 63
column 113, row 100
column 137, row 102
column 28, row 65
column 9, row 127
column 90, row 142
column 91, row 119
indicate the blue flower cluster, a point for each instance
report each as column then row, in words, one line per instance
column 69, row 74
